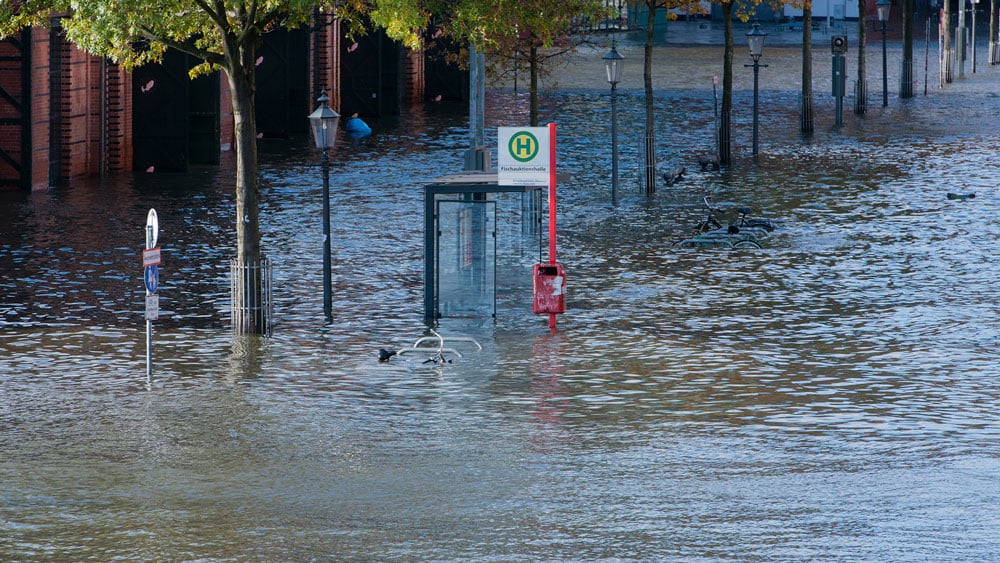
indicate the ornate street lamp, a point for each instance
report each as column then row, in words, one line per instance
column 613, row 63
column 883, row 7
column 324, row 127
column 755, row 40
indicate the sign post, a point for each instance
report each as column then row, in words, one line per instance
column 526, row 156
column 552, row 218
column 151, row 277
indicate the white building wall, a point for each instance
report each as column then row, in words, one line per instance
column 829, row 9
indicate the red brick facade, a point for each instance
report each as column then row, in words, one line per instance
column 14, row 112
column 413, row 77
column 80, row 116
column 324, row 71
column 81, row 122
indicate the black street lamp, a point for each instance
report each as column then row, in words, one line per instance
column 613, row 63
column 324, row 127
column 883, row 16
column 755, row 40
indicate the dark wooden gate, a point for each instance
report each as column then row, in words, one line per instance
column 175, row 120
column 15, row 112
column 443, row 80
column 203, row 120
column 371, row 74
column 282, row 97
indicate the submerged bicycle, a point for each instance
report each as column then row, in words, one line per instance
column 744, row 233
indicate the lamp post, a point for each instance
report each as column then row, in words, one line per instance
column 755, row 40
column 613, row 63
column 323, row 122
column 883, row 16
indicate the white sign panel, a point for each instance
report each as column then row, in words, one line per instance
column 152, row 228
column 152, row 307
column 523, row 156
column 151, row 257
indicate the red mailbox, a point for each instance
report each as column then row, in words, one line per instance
column 548, row 288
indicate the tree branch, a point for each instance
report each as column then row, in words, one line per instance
column 217, row 14
column 184, row 47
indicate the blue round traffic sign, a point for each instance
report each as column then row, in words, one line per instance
column 152, row 277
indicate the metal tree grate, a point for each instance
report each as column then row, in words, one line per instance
column 250, row 294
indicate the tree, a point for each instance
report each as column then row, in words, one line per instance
column 993, row 35
column 806, row 119
column 906, row 80
column 726, row 114
column 225, row 35
column 742, row 11
column 944, row 28
column 861, row 87
column 647, row 83
column 651, row 7
column 523, row 35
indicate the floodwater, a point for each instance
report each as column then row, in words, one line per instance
column 830, row 397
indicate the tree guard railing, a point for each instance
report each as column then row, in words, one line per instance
column 250, row 293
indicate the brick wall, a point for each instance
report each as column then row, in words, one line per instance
column 118, row 111
column 81, row 113
column 325, row 61
column 81, row 106
column 14, row 107
column 40, row 105
column 413, row 77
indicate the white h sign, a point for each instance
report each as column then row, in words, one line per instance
column 523, row 156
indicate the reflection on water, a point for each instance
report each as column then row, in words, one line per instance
column 828, row 397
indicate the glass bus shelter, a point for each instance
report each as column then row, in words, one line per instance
column 465, row 215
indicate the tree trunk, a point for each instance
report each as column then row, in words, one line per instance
column 647, row 79
column 994, row 57
column 861, row 87
column 906, row 72
column 533, row 85
column 725, row 116
column 960, row 44
column 242, row 85
column 806, row 119
column 945, row 30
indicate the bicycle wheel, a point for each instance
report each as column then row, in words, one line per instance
column 748, row 243
column 764, row 224
column 698, row 242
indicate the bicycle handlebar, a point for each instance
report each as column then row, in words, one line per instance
column 709, row 205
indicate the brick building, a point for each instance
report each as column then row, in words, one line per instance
column 66, row 114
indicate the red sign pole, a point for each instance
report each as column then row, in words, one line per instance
column 552, row 208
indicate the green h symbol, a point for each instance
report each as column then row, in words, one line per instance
column 523, row 146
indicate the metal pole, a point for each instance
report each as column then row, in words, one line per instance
column 614, row 144
column 756, row 73
column 149, row 323
column 552, row 207
column 840, row 83
column 481, row 100
column 927, row 51
column 473, row 101
column 885, row 85
column 327, row 283
column 973, row 4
